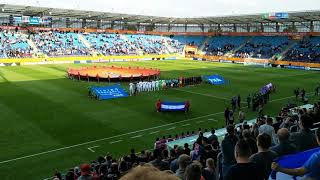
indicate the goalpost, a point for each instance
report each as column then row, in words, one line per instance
column 256, row 62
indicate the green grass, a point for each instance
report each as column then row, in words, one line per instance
column 41, row 110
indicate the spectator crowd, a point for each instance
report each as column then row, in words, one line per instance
column 245, row 152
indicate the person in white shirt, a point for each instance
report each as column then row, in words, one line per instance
column 131, row 89
column 269, row 129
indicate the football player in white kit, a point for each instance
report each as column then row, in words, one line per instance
column 149, row 86
column 153, row 85
column 131, row 89
column 144, row 86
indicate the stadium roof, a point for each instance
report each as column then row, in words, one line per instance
column 106, row 16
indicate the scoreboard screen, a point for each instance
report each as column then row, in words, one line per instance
column 276, row 15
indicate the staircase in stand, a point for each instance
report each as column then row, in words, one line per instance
column 88, row 45
column 286, row 50
column 137, row 49
column 203, row 44
column 232, row 52
column 35, row 49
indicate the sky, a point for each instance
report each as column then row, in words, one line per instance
column 177, row 8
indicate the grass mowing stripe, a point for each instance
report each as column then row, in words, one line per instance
column 103, row 139
column 123, row 115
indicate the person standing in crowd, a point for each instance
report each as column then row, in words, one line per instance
column 231, row 118
column 249, row 101
column 303, row 94
column 242, row 116
column 310, row 169
column 183, row 161
column 193, row 171
column 208, row 172
column 269, row 129
column 213, row 138
column 304, row 139
column 239, row 101
column 234, row 104
column 244, row 169
column 316, row 91
column 296, row 93
column 264, row 157
column 284, row 147
column 227, row 116
column 227, row 149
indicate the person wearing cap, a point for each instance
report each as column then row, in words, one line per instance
column 85, row 172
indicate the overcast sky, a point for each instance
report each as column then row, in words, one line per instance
column 177, row 8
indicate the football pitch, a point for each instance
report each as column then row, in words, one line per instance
column 49, row 124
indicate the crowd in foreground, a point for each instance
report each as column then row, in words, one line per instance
column 246, row 152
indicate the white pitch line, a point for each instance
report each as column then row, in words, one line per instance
column 208, row 95
column 198, row 122
column 289, row 97
column 106, row 138
column 154, row 132
column 171, row 128
column 91, row 148
column 214, row 120
column 137, row 136
column 185, row 125
column 112, row 137
column 112, row 142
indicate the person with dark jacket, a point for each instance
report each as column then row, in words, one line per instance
column 246, row 134
column 227, row 115
column 264, row 157
column 244, row 169
column 285, row 147
column 158, row 162
column 304, row 139
column 227, row 149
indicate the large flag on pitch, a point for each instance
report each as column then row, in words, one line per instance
column 173, row 106
column 215, row 79
column 109, row 92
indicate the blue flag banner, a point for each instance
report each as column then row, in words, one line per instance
column 173, row 106
column 215, row 79
column 109, row 92
column 294, row 161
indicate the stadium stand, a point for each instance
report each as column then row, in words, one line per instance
column 13, row 45
column 263, row 46
column 59, row 43
column 306, row 50
column 55, row 43
column 220, row 45
column 190, row 40
column 212, row 150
